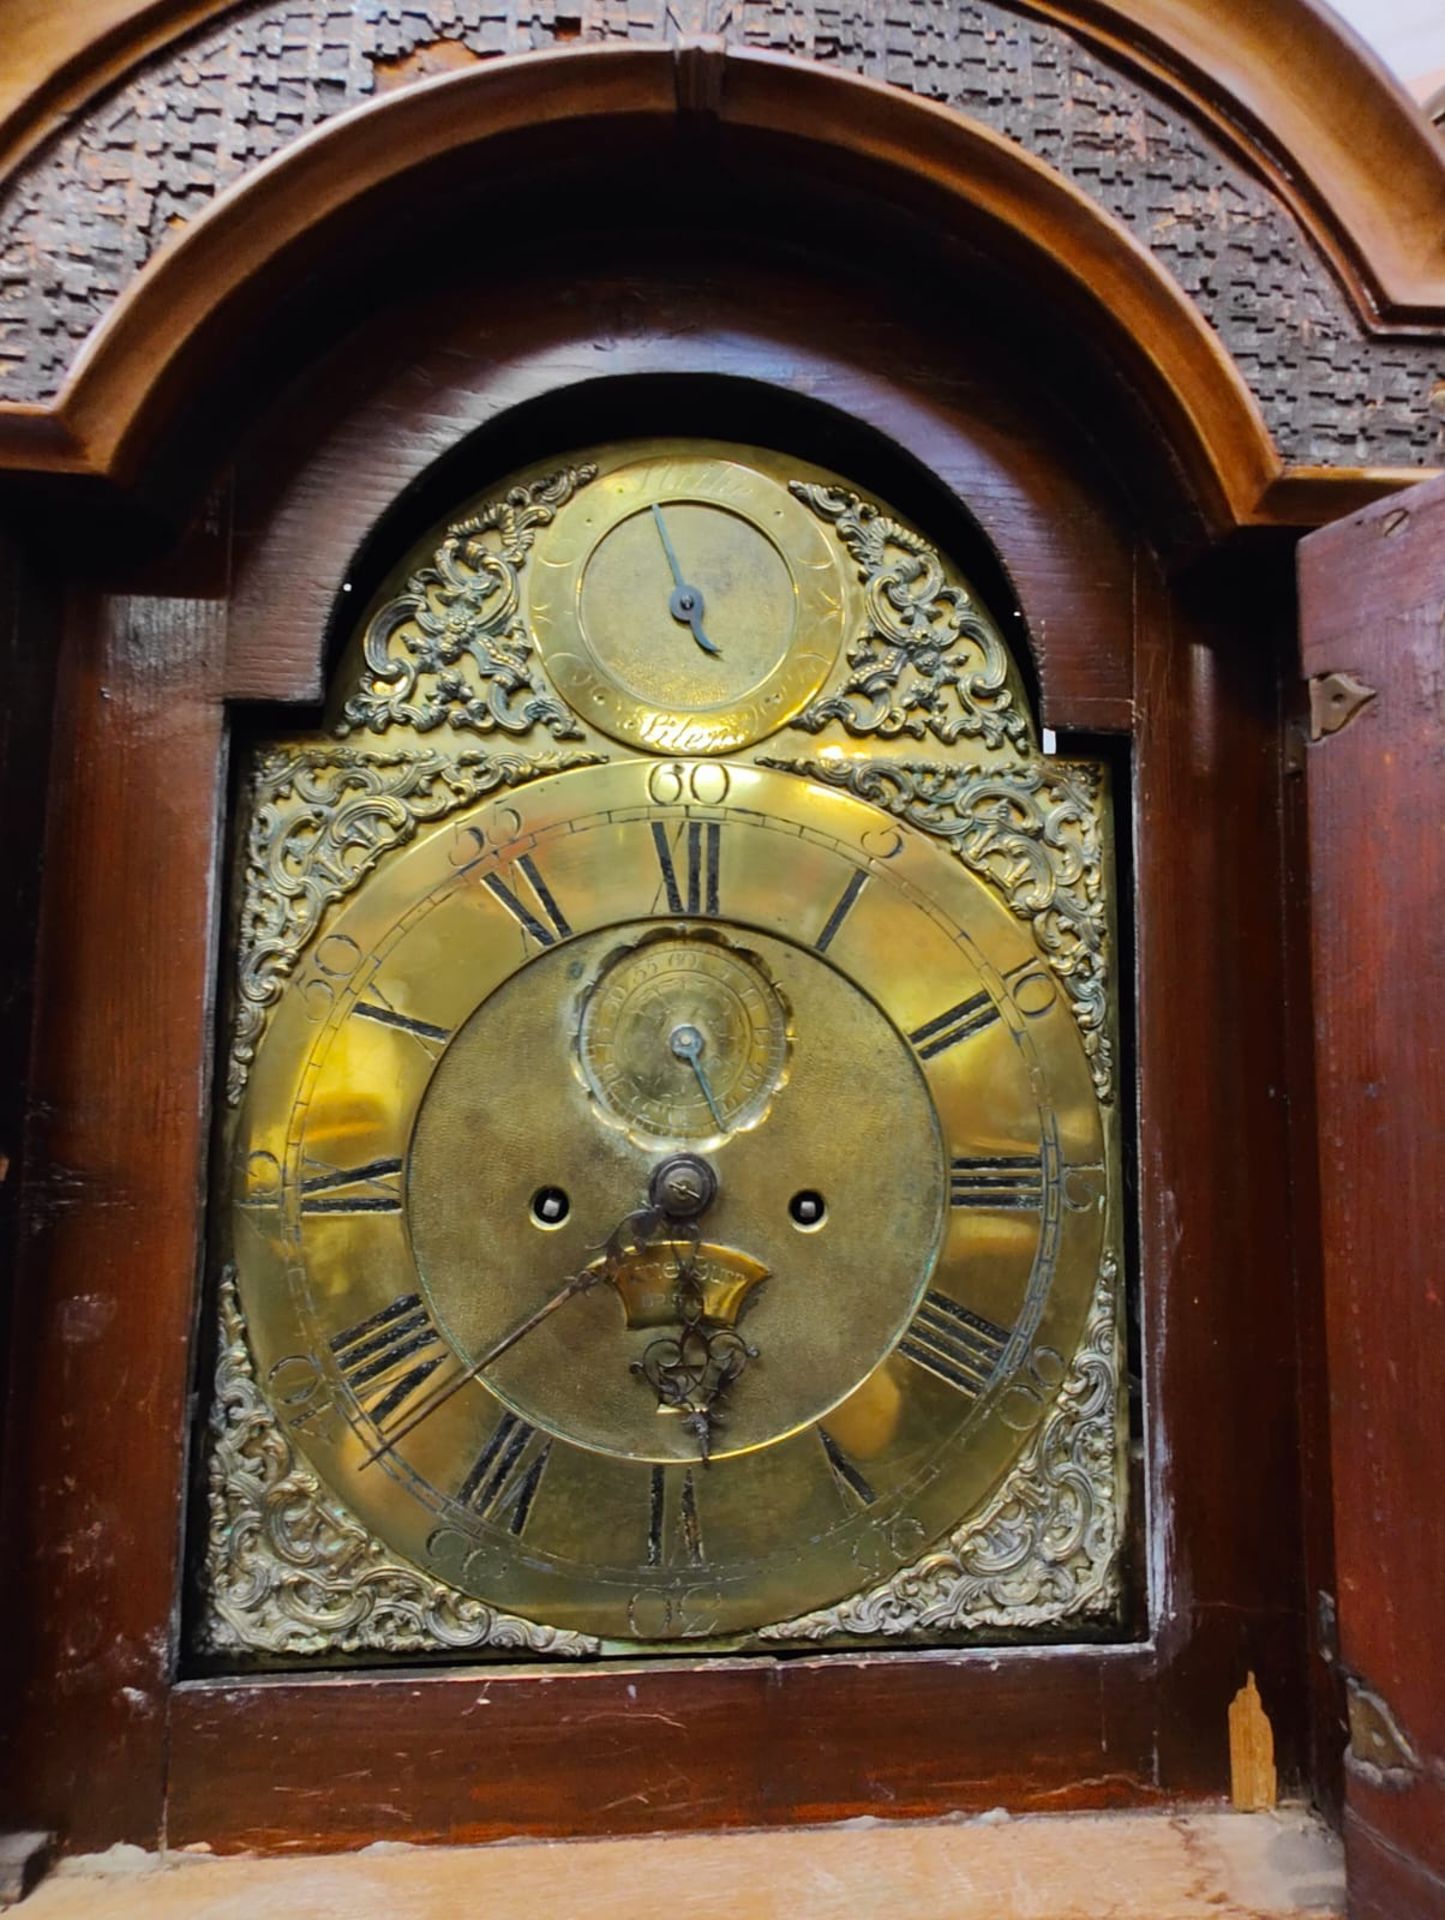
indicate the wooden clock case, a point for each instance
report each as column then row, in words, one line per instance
column 700, row 240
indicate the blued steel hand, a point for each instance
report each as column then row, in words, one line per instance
column 685, row 604
column 628, row 1237
column 687, row 1044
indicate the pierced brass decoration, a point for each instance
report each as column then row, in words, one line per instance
column 1035, row 833
column 289, row 1571
column 454, row 646
column 1045, row 1550
column 930, row 661
column 321, row 819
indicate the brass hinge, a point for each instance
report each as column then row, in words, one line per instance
column 1335, row 699
column 1379, row 1748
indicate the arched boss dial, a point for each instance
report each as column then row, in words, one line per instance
column 876, row 1032
column 687, row 603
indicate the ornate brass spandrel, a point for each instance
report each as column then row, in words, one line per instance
column 453, row 647
column 1038, row 835
column 287, row 1570
column 1045, row 1550
column 927, row 661
column 321, row 818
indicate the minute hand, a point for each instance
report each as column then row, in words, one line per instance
column 630, row 1235
column 579, row 1283
column 685, row 604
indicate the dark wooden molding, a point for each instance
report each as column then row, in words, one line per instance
column 1288, row 87
column 749, row 332
column 165, row 332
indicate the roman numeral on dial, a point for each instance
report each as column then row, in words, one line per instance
column 962, row 1022
column 549, row 924
column 503, row 1483
column 431, row 1037
column 845, row 1471
column 700, row 845
column 1011, row 1180
column 372, row 1188
column 390, row 1355
column 685, row 1544
column 958, row 1346
column 840, row 912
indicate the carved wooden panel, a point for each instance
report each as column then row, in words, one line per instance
column 98, row 199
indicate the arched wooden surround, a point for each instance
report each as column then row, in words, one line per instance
column 311, row 206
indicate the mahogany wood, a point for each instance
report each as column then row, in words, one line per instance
column 1216, row 1293
column 105, row 1285
column 1372, row 604
column 28, row 615
column 480, row 1756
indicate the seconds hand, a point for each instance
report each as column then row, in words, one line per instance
column 687, row 1044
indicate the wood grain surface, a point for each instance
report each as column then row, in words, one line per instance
column 1132, row 1867
column 1373, row 605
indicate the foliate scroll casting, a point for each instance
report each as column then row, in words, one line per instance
column 321, row 819
column 453, row 647
column 1033, row 832
column 929, row 661
column 1045, row 1549
column 288, row 1571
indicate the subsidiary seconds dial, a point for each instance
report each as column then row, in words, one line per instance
column 683, row 1037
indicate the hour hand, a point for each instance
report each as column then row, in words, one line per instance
column 685, row 604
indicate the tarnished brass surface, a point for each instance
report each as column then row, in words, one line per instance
column 868, row 1382
column 381, row 1188
column 688, row 603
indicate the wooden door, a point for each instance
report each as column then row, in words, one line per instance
column 1372, row 626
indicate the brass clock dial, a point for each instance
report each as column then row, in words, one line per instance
column 516, row 1369
column 671, row 1193
column 688, row 604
